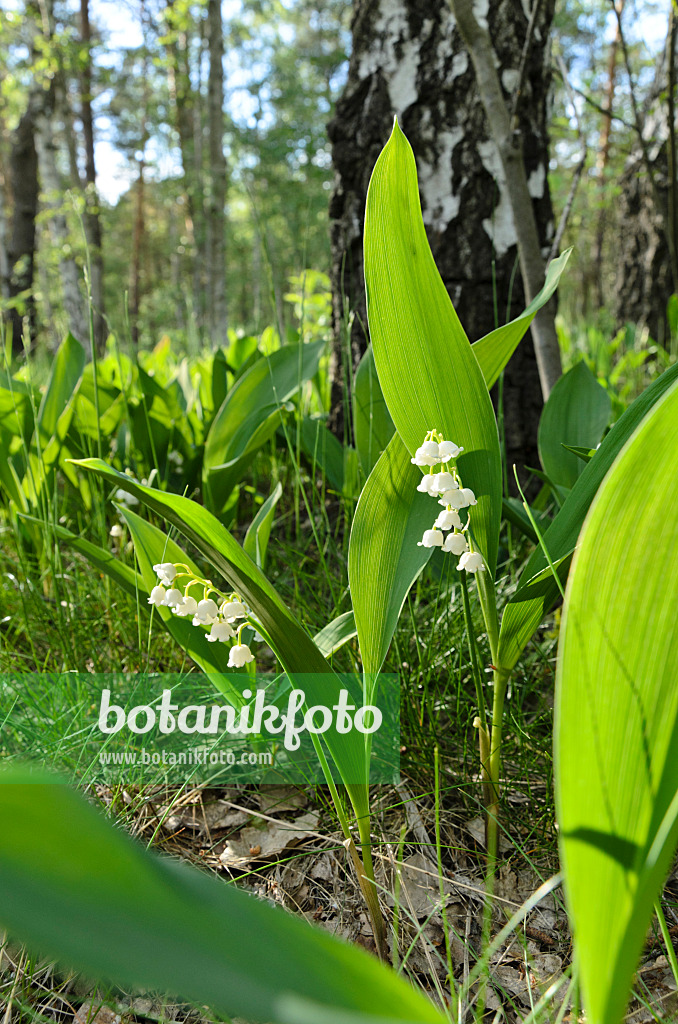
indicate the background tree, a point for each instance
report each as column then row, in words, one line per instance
column 408, row 59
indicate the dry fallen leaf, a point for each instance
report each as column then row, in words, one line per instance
column 271, row 838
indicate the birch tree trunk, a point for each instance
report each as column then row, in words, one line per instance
column 410, row 59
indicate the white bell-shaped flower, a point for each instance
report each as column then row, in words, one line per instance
column 232, row 610
column 469, row 495
column 448, row 450
column 157, row 596
column 448, row 519
column 116, row 530
column 472, row 561
column 426, row 454
column 454, row 498
column 220, row 631
column 426, row 483
column 456, row 543
column 239, row 655
column 431, row 539
column 205, row 613
column 125, row 498
column 166, row 572
column 442, row 482
column 189, row 606
column 174, row 598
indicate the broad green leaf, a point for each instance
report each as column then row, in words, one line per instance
column 526, row 608
column 392, row 546
column 63, row 380
column 372, row 424
column 9, row 478
column 250, row 414
column 616, row 722
column 496, row 348
column 287, row 638
column 336, row 633
column 153, row 546
column 219, row 378
column 101, row 903
column 256, row 538
column 383, row 557
column 576, row 413
column 16, row 410
column 427, row 371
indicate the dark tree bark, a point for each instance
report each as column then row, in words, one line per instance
column 408, row 59
column 92, row 219
column 23, row 181
column 644, row 282
column 645, row 251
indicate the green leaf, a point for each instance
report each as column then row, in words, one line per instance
column 383, row 557
column 101, row 903
column 256, row 538
column 616, row 732
column 427, row 371
column 336, row 633
column 380, row 608
column 287, row 638
column 576, row 413
column 250, row 415
column 583, row 453
column 63, row 380
column 153, row 546
column 219, row 378
column 372, row 424
column 496, row 348
column 528, row 606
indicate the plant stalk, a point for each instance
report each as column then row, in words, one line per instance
column 365, row 871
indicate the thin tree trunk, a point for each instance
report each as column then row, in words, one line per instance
column 507, row 141
column 603, row 160
column 52, row 197
column 137, row 242
column 4, row 226
column 646, row 242
column 183, row 99
column 92, row 218
column 23, row 181
column 216, row 213
column 139, row 198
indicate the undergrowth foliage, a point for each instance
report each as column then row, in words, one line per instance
column 164, row 513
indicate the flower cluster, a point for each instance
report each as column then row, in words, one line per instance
column 220, row 616
column 446, row 486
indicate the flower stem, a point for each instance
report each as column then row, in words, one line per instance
column 480, row 698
